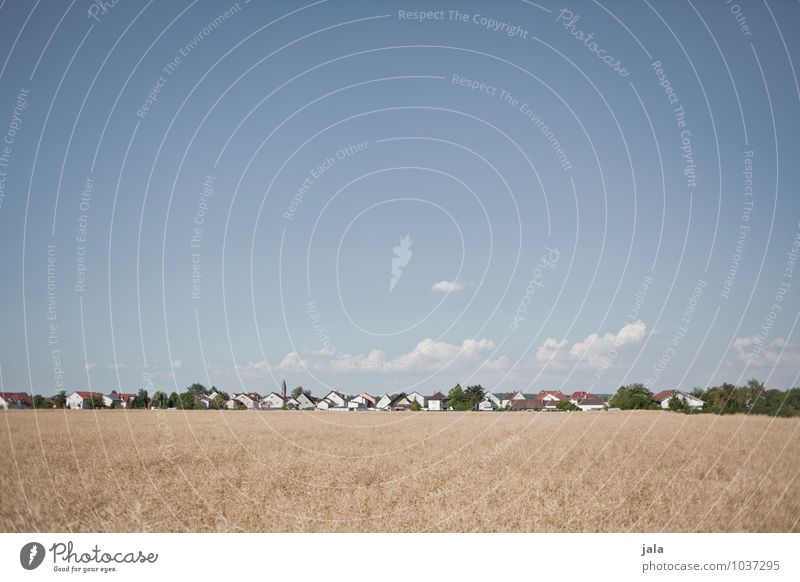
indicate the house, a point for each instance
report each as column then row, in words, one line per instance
column 363, row 401
column 334, row 400
column 78, row 399
column 416, row 397
column 489, row 402
column 664, row 396
column 552, row 395
column 397, row 401
column 305, row 402
column 578, row 395
column 15, row 400
column 506, row 399
column 121, row 400
column 590, row 402
column 437, row 402
column 532, row 404
column 273, row 401
column 249, row 400
column 111, row 400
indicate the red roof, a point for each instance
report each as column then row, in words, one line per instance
column 88, row 395
column 579, row 394
column 557, row 393
column 663, row 395
column 18, row 396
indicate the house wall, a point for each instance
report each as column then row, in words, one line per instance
column 75, row 401
column 434, row 404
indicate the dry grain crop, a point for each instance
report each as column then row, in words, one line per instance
column 294, row 471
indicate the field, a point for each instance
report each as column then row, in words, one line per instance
column 295, row 471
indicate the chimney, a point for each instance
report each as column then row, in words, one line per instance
column 283, row 388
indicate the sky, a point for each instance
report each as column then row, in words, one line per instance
column 382, row 196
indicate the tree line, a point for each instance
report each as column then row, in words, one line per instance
column 752, row 398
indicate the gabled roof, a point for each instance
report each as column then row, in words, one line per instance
column 590, row 401
column 17, row 397
column 396, row 397
column 87, row 395
column 580, row 394
column 438, row 396
column 557, row 393
column 663, row 395
column 368, row 397
column 528, row 404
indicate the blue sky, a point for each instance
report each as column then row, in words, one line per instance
column 592, row 194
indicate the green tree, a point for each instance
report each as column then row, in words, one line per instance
column 140, row 400
column 96, row 401
column 567, row 406
column 474, row 395
column 458, row 399
column 197, row 389
column 676, row 403
column 631, row 397
column 174, row 400
column 218, row 402
column 186, row 401
column 160, row 399
column 60, row 399
column 39, row 401
column 415, row 406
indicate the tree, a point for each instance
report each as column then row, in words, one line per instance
column 186, row 401
column 458, row 399
column 676, row 403
column 40, row 401
column 197, row 389
column 174, row 400
column 140, row 400
column 60, row 399
column 96, row 401
column 160, row 399
column 631, row 397
column 567, row 406
column 415, row 406
column 218, row 402
column 474, row 395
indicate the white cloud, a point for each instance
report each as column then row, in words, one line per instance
column 594, row 350
column 761, row 353
column 447, row 287
column 427, row 356
column 177, row 364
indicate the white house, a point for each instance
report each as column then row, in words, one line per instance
column 691, row 401
column 437, row 402
column 78, row 400
column 272, row 400
column 589, row 402
column 362, row 402
column 111, row 400
column 333, row 399
column 416, row 397
column 489, row 402
column 250, row 400
column 507, row 399
column 304, row 402
column 397, row 401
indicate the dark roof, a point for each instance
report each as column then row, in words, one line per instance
column 438, row 396
column 528, row 404
column 396, row 397
column 590, row 400
column 663, row 395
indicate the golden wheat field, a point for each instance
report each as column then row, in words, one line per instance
column 284, row 471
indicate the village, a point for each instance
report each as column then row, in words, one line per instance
column 197, row 397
